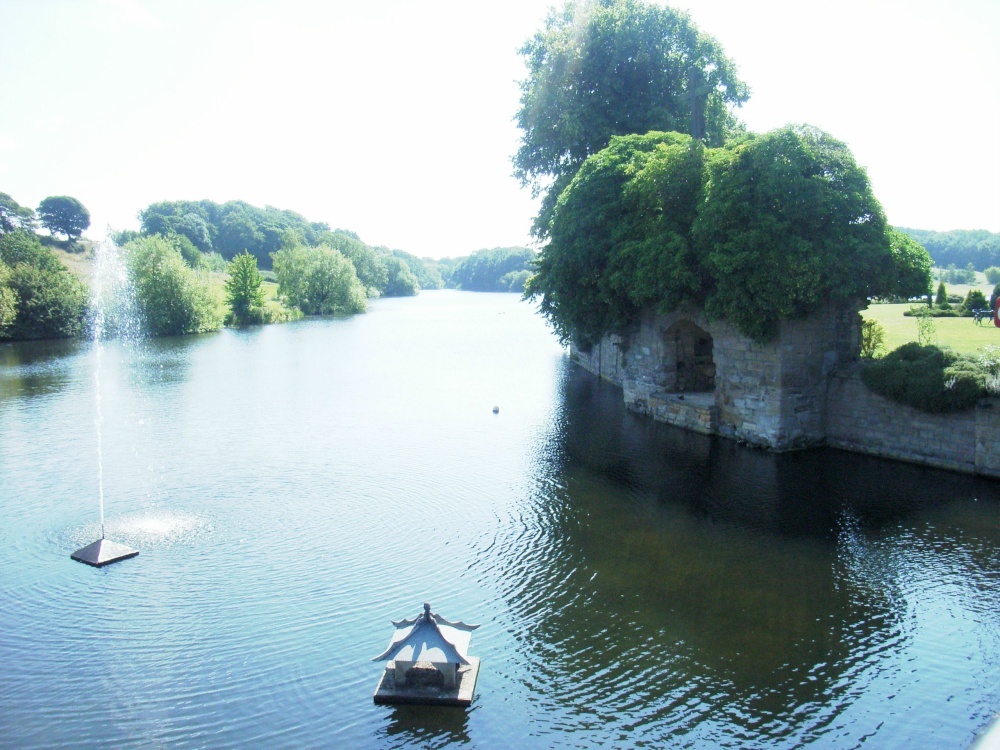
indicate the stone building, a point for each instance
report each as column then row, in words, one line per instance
column 704, row 375
column 802, row 389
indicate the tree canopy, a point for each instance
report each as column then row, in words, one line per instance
column 65, row 215
column 318, row 280
column 243, row 290
column 766, row 228
column 601, row 68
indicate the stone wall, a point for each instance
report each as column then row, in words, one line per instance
column 862, row 421
column 773, row 394
column 801, row 390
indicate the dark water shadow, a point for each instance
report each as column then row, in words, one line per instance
column 426, row 726
column 674, row 566
column 38, row 368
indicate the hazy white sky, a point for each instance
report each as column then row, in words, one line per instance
column 394, row 119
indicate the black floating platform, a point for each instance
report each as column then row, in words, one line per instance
column 103, row 552
column 388, row 693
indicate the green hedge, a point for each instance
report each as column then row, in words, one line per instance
column 927, row 378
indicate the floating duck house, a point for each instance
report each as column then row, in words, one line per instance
column 428, row 662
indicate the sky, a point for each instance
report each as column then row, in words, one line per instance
column 395, row 119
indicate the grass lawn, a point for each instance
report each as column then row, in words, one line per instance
column 961, row 334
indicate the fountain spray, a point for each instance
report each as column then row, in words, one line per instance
column 117, row 298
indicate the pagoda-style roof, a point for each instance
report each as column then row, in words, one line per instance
column 429, row 637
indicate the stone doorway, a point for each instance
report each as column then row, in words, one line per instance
column 695, row 365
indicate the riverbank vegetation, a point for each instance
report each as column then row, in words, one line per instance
column 188, row 279
column 39, row 297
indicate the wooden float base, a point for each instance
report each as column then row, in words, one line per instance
column 103, row 552
column 387, row 692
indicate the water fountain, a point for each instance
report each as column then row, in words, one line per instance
column 113, row 314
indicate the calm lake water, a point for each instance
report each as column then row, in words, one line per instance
column 291, row 488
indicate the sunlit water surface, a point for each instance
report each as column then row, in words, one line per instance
column 291, row 488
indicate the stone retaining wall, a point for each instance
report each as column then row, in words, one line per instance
column 862, row 421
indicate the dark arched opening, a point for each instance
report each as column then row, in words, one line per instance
column 694, row 362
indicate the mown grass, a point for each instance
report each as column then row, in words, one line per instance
column 961, row 334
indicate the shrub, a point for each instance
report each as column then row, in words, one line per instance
column 993, row 274
column 974, row 300
column 941, row 298
column 927, row 378
column 989, row 360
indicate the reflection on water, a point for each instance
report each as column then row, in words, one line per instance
column 292, row 488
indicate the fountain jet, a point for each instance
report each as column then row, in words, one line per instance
column 112, row 294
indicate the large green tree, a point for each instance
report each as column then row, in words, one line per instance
column 244, row 291
column 64, row 214
column 601, row 68
column 172, row 298
column 318, row 280
column 768, row 228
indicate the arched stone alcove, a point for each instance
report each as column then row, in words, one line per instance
column 693, row 356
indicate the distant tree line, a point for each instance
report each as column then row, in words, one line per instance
column 210, row 234
column 959, row 247
column 502, row 269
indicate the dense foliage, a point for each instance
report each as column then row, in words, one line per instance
column 172, row 298
column 959, row 247
column 64, row 214
column 244, row 292
column 491, row 270
column 601, row 68
column 47, row 299
column 766, row 228
column 318, row 280
column 928, row 378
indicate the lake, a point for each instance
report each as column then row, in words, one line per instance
column 292, row 488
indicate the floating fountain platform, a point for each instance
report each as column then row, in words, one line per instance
column 103, row 552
